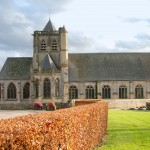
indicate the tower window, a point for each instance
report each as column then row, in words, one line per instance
column 43, row 45
column 47, row 88
column 37, row 88
column 57, row 88
column 54, row 45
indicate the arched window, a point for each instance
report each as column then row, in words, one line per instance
column 26, row 91
column 37, row 88
column 73, row 92
column 122, row 91
column 47, row 88
column 139, row 92
column 106, row 92
column 57, row 88
column 90, row 92
column 54, row 45
column 43, row 45
column 11, row 91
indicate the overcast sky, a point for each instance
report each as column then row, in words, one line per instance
column 93, row 25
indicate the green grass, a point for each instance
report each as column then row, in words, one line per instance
column 127, row 130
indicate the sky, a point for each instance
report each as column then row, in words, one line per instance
column 94, row 26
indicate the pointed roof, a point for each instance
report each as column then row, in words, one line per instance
column 49, row 26
column 47, row 63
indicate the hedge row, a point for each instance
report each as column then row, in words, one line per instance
column 77, row 128
column 84, row 102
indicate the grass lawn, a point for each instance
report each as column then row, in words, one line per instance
column 127, row 130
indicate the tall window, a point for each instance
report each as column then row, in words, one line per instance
column 26, row 91
column 11, row 91
column 73, row 92
column 43, row 45
column 90, row 92
column 122, row 91
column 37, row 88
column 57, row 88
column 106, row 92
column 139, row 91
column 47, row 88
column 54, row 45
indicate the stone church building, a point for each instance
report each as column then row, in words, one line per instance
column 53, row 74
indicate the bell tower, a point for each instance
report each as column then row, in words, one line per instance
column 50, row 59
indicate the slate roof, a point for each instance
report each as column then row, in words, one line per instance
column 49, row 26
column 86, row 67
column 109, row 66
column 47, row 63
column 16, row 68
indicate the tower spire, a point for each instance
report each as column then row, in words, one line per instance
column 49, row 26
column 49, row 16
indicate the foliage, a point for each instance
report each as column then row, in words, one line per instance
column 76, row 128
column 50, row 106
column 84, row 102
column 37, row 105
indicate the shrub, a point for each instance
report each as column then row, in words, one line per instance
column 147, row 105
column 51, row 106
column 84, row 102
column 37, row 105
column 76, row 128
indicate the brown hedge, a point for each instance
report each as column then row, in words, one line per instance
column 84, row 102
column 77, row 128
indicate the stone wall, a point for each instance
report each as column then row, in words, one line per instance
column 16, row 106
column 127, row 103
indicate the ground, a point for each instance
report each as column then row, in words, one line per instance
column 4, row 114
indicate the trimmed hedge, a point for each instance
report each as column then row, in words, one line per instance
column 77, row 128
column 84, row 102
column 50, row 106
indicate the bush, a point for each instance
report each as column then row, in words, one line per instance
column 76, row 128
column 84, row 102
column 37, row 105
column 51, row 106
column 147, row 105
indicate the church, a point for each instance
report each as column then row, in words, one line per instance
column 53, row 74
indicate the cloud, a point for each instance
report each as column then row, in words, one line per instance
column 132, row 20
column 143, row 37
column 19, row 19
column 135, row 20
column 78, row 42
column 141, row 43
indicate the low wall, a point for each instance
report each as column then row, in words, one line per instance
column 77, row 128
column 12, row 105
column 16, row 106
column 127, row 103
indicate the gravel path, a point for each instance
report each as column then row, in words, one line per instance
column 4, row 114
